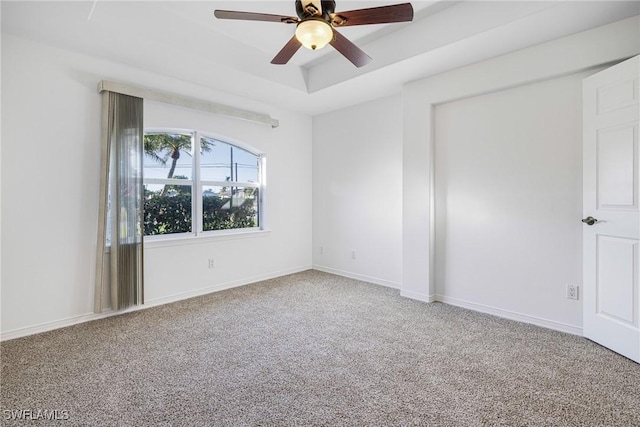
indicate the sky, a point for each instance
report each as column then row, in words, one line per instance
column 215, row 165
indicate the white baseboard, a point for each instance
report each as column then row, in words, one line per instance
column 362, row 277
column 418, row 296
column 222, row 286
column 55, row 324
column 74, row 320
column 512, row 315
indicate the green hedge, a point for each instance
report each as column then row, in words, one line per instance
column 172, row 214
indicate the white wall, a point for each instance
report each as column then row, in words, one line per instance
column 50, row 161
column 508, row 187
column 578, row 53
column 357, row 181
column 287, row 246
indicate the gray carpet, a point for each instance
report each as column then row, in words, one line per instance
column 316, row 349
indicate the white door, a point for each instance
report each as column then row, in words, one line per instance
column 610, row 206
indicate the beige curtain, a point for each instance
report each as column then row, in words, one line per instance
column 119, row 273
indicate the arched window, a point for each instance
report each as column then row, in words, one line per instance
column 195, row 183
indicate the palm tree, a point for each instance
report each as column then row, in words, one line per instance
column 162, row 146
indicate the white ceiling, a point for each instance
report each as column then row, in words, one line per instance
column 182, row 39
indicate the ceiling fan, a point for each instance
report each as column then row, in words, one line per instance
column 317, row 22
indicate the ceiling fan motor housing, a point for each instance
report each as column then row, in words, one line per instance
column 308, row 10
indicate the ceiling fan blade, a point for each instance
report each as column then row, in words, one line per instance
column 287, row 51
column 252, row 16
column 374, row 15
column 350, row 51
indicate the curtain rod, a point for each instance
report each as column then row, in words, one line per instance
column 198, row 104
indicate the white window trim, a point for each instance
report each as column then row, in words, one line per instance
column 171, row 240
column 198, row 234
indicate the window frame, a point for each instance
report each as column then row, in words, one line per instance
column 197, row 223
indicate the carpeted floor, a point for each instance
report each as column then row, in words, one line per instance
column 315, row 349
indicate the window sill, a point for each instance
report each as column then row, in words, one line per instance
column 214, row 236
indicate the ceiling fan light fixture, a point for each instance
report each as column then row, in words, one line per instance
column 314, row 33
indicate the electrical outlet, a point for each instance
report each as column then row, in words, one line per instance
column 353, row 254
column 572, row 291
column 321, row 250
column 212, row 263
